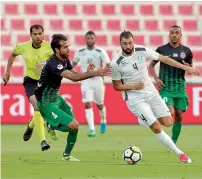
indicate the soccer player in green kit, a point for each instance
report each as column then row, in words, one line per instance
column 53, row 108
column 171, row 80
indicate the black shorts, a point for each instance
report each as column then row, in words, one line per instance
column 29, row 85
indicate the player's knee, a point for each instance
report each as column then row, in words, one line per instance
column 169, row 121
column 88, row 105
column 74, row 125
column 100, row 106
column 156, row 127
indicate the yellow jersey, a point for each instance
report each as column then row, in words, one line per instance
column 33, row 56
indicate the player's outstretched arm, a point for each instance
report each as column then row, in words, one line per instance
column 171, row 62
column 82, row 76
column 119, row 86
column 6, row 76
column 158, row 81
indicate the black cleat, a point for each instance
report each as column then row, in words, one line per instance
column 28, row 133
column 44, row 145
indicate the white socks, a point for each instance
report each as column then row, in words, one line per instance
column 103, row 115
column 166, row 140
column 90, row 118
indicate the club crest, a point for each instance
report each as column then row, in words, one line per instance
column 182, row 55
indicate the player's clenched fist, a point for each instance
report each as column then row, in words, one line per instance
column 6, row 78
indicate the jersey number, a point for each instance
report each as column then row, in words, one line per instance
column 135, row 66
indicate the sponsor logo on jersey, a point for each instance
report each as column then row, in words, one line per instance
column 182, row 55
column 60, row 67
column 175, row 55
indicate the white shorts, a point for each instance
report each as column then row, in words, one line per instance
column 148, row 109
column 93, row 91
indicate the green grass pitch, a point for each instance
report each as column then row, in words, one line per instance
column 101, row 157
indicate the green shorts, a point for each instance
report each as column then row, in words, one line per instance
column 56, row 113
column 178, row 102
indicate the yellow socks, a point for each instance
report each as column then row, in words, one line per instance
column 39, row 125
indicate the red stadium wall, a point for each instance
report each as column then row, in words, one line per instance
column 15, row 108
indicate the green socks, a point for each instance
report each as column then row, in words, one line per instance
column 71, row 140
column 176, row 131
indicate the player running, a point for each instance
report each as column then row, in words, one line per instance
column 130, row 75
column 35, row 53
column 93, row 89
column 54, row 109
column 171, row 80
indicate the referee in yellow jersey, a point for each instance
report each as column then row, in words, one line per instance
column 35, row 53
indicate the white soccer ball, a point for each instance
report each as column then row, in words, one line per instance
column 132, row 155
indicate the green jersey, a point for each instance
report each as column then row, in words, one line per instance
column 172, row 77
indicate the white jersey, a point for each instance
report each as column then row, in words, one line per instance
column 133, row 69
column 97, row 56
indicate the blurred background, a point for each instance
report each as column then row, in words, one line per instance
column 148, row 21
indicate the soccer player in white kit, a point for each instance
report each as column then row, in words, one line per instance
column 130, row 75
column 93, row 89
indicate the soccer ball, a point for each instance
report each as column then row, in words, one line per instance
column 132, row 155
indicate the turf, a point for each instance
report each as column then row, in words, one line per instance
column 101, row 157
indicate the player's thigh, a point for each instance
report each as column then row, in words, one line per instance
column 159, row 107
column 87, row 93
column 99, row 94
column 161, row 111
column 63, row 105
column 54, row 115
column 29, row 86
column 181, row 103
column 143, row 111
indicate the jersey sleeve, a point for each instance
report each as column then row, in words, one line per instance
column 105, row 57
column 57, row 68
column 76, row 58
column 158, row 51
column 18, row 50
column 116, row 75
column 152, row 55
column 189, row 58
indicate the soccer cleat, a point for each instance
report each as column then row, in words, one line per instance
column 70, row 158
column 51, row 132
column 44, row 145
column 91, row 133
column 184, row 159
column 28, row 133
column 103, row 127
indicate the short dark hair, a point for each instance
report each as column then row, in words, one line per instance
column 36, row 26
column 90, row 32
column 55, row 42
column 175, row 26
column 126, row 34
